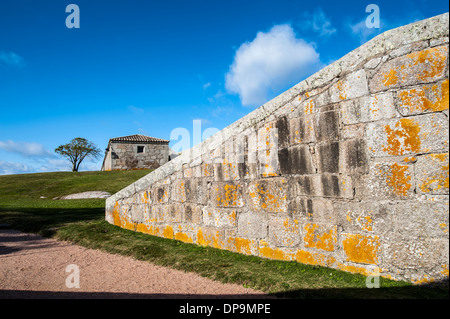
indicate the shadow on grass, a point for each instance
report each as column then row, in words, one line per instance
column 46, row 221
column 407, row 292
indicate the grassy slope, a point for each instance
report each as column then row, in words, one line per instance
column 82, row 222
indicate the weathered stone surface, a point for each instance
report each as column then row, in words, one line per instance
column 368, row 108
column 283, row 231
column 411, row 135
column 386, row 180
column 432, row 173
column 424, row 99
column 325, row 174
column 326, row 126
column 252, row 225
column 320, row 236
column 269, row 195
column 423, row 66
column 374, row 217
column 296, row 160
column 352, row 86
column 220, row 217
column 227, row 194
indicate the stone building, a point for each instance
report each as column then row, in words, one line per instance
column 135, row 152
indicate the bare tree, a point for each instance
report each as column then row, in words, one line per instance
column 77, row 150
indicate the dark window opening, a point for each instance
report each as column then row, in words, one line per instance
column 140, row 149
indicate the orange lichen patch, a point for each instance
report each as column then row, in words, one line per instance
column 209, row 238
column 306, row 257
column 361, row 249
column 186, row 238
column 439, row 179
column 432, row 98
column 320, row 237
column 267, row 252
column 116, row 215
column 433, row 60
column 445, row 271
column 354, row 269
column 341, row 87
column 410, row 159
column 309, row 107
column 398, row 179
column 423, row 280
column 168, row 232
column 390, row 78
column 245, row 246
column 403, row 138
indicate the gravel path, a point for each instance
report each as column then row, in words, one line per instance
column 35, row 267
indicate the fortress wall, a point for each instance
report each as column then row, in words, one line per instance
column 348, row 169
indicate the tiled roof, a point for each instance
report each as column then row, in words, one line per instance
column 138, row 138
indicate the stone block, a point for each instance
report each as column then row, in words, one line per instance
column 269, row 195
column 361, row 249
column 296, row 160
column 423, row 99
column 320, row 236
column 268, row 149
column 386, row 180
column 415, row 253
column 326, row 126
column 414, row 218
column 225, row 194
column 192, row 214
column 219, row 217
column 178, row 192
column 432, row 174
column 174, row 213
column 328, row 157
column 252, row 225
column 282, row 125
column 418, row 67
column 411, row 135
column 368, row 109
column 353, row 157
column 352, row 86
column 307, row 185
column 283, row 231
column 370, row 217
column 161, row 194
column 339, row 186
column 301, row 130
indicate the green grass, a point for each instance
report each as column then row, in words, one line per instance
column 82, row 222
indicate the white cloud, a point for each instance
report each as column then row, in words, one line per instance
column 269, row 63
column 7, row 168
column 11, row 59
column 206, row 85
column 26, row 149
column 318, row 22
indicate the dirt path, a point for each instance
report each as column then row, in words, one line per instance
column 35, row 267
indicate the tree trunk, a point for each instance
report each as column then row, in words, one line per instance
column 74, row 167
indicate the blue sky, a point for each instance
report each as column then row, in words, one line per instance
column 149, row 67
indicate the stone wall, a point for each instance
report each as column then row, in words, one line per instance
column 124, row 156
column 348, row 169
